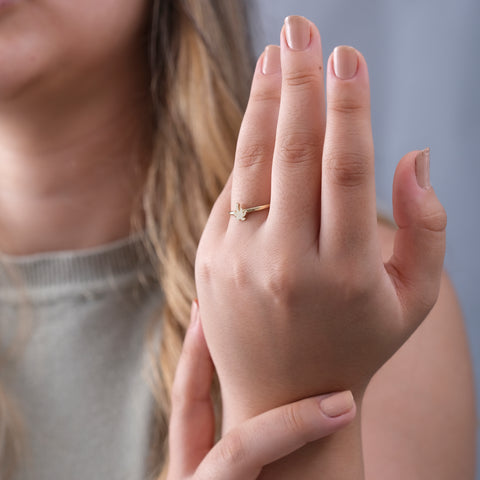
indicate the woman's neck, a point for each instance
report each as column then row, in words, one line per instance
column 71, row 164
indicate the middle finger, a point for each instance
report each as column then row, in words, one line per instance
column 296, row 169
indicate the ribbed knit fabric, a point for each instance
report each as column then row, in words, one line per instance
column 80, row 377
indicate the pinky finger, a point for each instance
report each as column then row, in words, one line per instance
column 244, row 451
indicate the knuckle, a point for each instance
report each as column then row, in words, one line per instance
column 279, row 282
column 253, row 154
column 293, row 421
column 351, row 283
column 204, row 268
column 231, row 449
column 306, row 78
column 435, row 221
column 349, row 169
column 240, row 273
column 300, row 147
column 265, row 95
column 346, row 105
column 356, row 287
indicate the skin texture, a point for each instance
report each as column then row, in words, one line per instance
column 73, row 122
column 74, row 113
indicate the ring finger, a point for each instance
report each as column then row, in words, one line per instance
column 256, row 140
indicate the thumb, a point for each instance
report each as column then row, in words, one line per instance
column 246, row 449
column 419, row 248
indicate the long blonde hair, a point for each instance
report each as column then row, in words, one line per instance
column 201, row 70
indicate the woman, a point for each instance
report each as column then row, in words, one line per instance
column 94, row 134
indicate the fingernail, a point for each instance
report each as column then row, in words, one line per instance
column 297, row 30
column 194, row 313
column 271, row 60
column 422, row 168
column 345, row 62
column 337, row 404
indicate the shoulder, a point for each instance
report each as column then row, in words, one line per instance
column 419, row 409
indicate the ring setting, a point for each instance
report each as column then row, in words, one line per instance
column 241, row 213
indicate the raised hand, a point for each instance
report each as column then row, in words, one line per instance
column 243, row 452
column 296, row 300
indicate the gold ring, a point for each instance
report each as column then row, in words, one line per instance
column 240, row 213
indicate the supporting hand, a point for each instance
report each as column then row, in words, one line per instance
column 241, row 454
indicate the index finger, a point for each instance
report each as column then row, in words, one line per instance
column 192, row 423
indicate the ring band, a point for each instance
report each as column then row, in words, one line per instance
column 240, row 213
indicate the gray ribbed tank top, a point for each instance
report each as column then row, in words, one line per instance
column 80, row 378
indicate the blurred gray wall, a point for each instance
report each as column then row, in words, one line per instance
column 424, row 64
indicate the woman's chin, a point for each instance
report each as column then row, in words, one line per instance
column 17, row 80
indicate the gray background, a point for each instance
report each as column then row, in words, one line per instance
column 424, row 64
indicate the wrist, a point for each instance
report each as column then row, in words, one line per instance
column 338, row 456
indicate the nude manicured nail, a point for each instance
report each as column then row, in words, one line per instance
column 337, row 404
column 345, row 62
column 422, row 168
column 297, row 32
column 271, row 60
